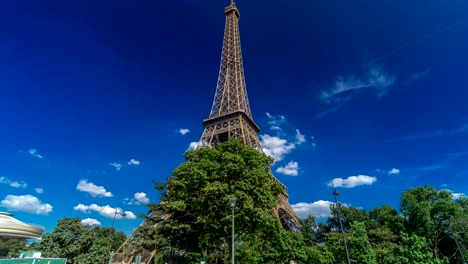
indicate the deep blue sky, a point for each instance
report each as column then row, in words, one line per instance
column 372, row 85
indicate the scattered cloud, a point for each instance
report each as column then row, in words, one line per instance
column 193, row 145
column 417, row 76
column 394, row 171
column 26, row 203
column 276, row 147
column 14, row 184
column 106, row 211
column 281, row 144
column 291, row 169
column 116, row 165
column 93, row 189
column 431, row 134
column 300, row 138
column 275, row 121
column 353, row 181
column 184, row 131
column 141, row 197
column 39, row 190
column 133, row 162
column 456, row 195
column 138, row 198
column 35, row 153
column 313, row 144
column 374, row 77
column 90, row 222
column 319, row 209
column 338, row 103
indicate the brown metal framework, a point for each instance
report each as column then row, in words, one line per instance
column 230, row 114
column 230, row 117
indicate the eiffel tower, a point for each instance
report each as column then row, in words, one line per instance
column 230, row 117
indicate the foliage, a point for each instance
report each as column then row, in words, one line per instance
column 13, row 246
column 414, row 251
column 348, row 215
column 360, row 249
column 79, row 244
column 430, row 214
column 197, row 196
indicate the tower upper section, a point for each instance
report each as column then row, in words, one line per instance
column 231, row 91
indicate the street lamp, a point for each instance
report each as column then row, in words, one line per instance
column 117, row 212
column 335, row 193
column 232, row 201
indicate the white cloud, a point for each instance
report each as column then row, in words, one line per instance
column 133, row 162
column 34, row 153
column 300, row 138
column 193, row 145
column 93, row 189
column 116, row 165
column 456, row 195
column 275, row 120
column 319, row 209
column 26, row 203
column 353, row 181
column 374, row 78
column 313, row 144
column 106, row 211
column 276, row 147
column 39, row 190
column 90, row 222
column 283, row 142
column 394, row 171
column 14, row 184
column 291, row 169
column 417, row 76
column 184, row 131
column 141, row 197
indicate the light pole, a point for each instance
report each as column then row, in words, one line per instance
column 335, row 193
column 122, row 213
column 233, row 206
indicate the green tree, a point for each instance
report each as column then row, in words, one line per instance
column 360, row 249
column 416, row 250
column 349, row 215
column 335, row 244
column 314, row 236
column 79, row 244
column 196, row 199
column 386, row 225
column 13, row 247
column 430, row 213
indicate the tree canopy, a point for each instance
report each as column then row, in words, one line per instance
column 80, row 244
column 196, row 201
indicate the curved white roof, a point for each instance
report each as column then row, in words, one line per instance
column 14, row 228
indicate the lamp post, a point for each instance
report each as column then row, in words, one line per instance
column 232, row 201
column 335, row 193
column 122, row 213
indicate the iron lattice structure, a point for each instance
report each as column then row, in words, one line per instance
column 230, row 114
column 230, row 117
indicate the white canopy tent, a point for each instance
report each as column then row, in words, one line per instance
column 11, row 228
